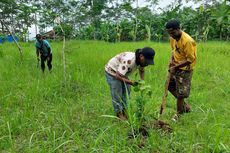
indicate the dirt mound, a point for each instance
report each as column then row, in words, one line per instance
column 158, row 124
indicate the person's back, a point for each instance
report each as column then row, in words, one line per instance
column 44, row 46
column 123, row 62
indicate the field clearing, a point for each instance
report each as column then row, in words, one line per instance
column 42, row 113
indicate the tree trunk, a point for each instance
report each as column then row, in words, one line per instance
column 63, row 54
column 2, row 16
column 135, row 31
column 36, row 32
column 19, row 47
column 220, row 32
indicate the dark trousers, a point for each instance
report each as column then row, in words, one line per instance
column 49, row 62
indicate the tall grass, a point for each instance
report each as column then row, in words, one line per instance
column 39, row 114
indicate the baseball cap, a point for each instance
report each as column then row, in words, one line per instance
column 149, row 54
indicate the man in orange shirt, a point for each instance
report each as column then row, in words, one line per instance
column 181, row 66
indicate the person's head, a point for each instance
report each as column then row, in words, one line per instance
column 39, row 37
column 173, row 29
column 145, row 56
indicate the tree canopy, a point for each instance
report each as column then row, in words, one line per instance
column 119, row 20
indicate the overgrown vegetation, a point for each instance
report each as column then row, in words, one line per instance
column 39, row 114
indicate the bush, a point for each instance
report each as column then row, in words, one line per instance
column 68, row 29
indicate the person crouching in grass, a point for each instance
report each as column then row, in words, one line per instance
column 117, row 71
column 44, row 52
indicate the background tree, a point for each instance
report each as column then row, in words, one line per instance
column 120, row 20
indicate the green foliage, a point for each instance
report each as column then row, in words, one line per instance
column 127, row 22
column 41, row 114
column 2, row 37
column 1, row 51
column 105, row 31
column 148, row 35
column 143, row 95
column 68, row 29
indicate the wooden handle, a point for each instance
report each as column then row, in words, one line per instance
column 165, row 94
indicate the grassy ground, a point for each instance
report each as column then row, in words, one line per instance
column 44, row 113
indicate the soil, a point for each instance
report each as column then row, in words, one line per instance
column 141, row 131
column 158, row 124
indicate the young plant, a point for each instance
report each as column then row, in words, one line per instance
column 136, row 120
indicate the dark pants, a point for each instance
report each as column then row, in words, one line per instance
column 49, row 62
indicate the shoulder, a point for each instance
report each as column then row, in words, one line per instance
column 125, row 55
column 46, row 43
column 187, row 39
column 129, row 55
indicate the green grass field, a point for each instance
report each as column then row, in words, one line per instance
column 44, row 113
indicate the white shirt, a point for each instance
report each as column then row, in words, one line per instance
column 123, row 63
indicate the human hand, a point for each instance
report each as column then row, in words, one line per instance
column 135, row 83
column 171, row 64
column 172, row 70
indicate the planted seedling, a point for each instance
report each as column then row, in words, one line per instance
column 143, row 94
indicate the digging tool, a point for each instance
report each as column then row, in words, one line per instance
column 159, row 124
column 163, row 103
column 165, row 94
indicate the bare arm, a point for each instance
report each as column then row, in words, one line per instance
column 176, row 67
column 171, row 62
column 123, row 78
column 183, row 64
column 142, row 73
